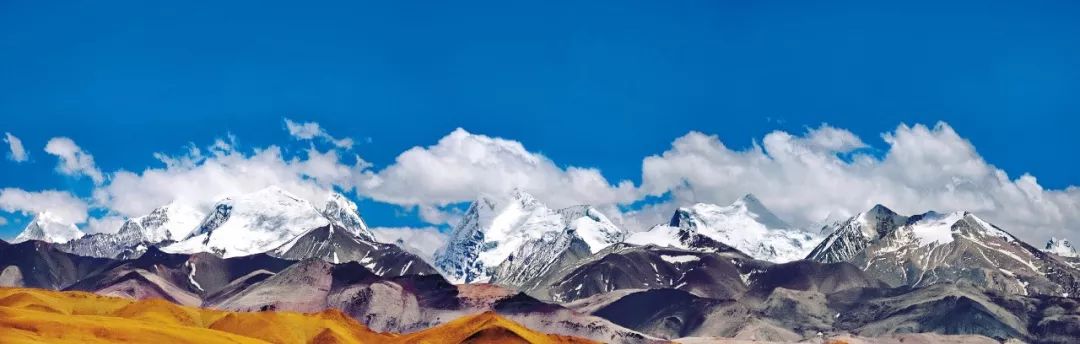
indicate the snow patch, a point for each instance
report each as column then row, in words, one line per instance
column 935, row 228
column 679, row 259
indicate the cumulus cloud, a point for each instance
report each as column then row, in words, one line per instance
column 824, row 172
column 805, row 179
column 312, row 130
column 62, row 204
column 106, row 224
column 73, row 160
column 199, row 178
column 462, row 166
column 422, row 241
column 18, row 152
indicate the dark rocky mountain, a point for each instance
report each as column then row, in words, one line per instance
column 38, row 264
column 718, row 275
column 334, row 244
column 931, row 248
column 404, row 303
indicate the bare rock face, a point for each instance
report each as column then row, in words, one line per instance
column 930, row 248
column 636, row 267
column 335, row 244
column 383, row 306
column 42, row 265
column 11, row 277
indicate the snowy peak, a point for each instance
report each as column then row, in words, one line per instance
column 933, row 228
column 591, row 226
column 943, row 247
column 1061, row 247
column 878, row 221
column 252, row 223
column 524, row 198
column 747, row 225
column 49, row 228
column 346, row 214
column 170, row 222
column 752, row 206
column 492, row 231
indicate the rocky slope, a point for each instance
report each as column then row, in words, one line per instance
column 930, row 248
column 512, row 241
column 336, row 244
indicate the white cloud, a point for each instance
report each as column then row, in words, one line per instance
column 60, row 203
column 73, row 160
column 107, row 224
column 312, row 130
column 419, row 241
column 198, row 180
column 803, row 179
column 462, row 166
column 18, row 152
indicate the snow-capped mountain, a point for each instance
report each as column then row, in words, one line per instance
column 848, row 238
column 49, row 228
column 251, row 223
column 933, row 247
column 1061, row 247
column 171, row 222
column 346, row 214
column 162, row 225
column 522, row 233
column 746, row 225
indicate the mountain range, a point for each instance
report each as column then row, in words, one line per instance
column 713, row 271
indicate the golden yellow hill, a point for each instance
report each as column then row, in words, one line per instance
column 485, row 328
column 44, row 316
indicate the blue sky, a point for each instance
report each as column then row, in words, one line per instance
column 599, row 85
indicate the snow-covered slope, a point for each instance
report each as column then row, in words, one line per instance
column 591, row 226
column 252, row 223
column 516, row 232
column 171, row 222
column 49, row 228
column 848, row 238
column 346, row 214
column 1061, row 247
column 936, row 247
column 163, row 225
column 746, row 225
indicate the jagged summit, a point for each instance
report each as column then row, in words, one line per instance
column 746, row 224
column 48, row 227
column 492, row 231
column 346, row 214
column 936, row 246
column 1061, row 247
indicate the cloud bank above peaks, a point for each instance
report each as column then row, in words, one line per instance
column 807, row 178
column 73, row 160
column 823, row 172
column 198, row 180
column 61, row 204
column 463, row 165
